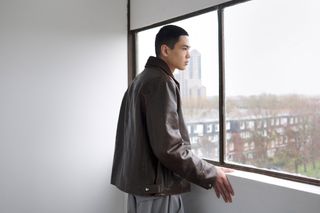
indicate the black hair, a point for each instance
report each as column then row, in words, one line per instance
column 168, row 35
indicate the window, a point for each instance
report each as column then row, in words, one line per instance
column 271, row 97
column 270, row 63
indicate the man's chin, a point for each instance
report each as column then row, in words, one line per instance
column 182, row 68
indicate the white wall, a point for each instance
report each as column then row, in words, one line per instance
column 147, row 12
column 63, row 69
column 256, row 194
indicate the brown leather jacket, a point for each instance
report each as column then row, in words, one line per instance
column 152, row 153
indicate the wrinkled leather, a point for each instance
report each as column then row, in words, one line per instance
column 152, row 152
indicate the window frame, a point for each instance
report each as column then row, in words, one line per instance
column 132, row 58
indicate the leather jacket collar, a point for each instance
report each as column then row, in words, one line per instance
column 158, row 62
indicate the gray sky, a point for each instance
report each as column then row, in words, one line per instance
column 270, row 47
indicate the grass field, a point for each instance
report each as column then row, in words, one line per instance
column 311, row 172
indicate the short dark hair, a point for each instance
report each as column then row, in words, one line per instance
column 168, row 35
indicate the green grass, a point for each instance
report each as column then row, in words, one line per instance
column 311, row 172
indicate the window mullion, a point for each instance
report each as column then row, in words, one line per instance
column 222, row 128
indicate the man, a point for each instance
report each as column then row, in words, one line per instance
column 153, row 161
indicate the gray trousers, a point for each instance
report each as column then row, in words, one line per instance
column 149, row 204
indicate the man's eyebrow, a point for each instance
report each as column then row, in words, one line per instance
column 187, row 46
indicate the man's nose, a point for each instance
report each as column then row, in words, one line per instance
column 188, row 54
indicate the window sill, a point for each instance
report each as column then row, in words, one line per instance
column 276, row 181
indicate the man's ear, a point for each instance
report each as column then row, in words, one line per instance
column 164, row 50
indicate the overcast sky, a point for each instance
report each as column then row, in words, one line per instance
column 271, row 46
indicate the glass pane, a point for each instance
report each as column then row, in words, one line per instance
column 272, row 51
column 198, row 83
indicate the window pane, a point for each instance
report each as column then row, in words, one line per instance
column 198, row 83
column 272, row 51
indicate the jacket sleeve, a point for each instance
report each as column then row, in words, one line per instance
column 172, row 151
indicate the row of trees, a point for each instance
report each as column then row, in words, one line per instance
column 293, row 147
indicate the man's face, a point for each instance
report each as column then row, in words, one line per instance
column 178, row 57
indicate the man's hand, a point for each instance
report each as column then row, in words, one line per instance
column 223, row 186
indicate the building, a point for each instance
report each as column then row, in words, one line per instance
column 190, row 79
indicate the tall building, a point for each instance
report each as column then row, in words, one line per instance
column 190, row 79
